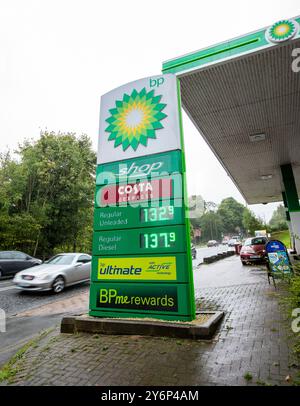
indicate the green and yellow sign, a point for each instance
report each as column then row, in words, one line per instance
column 141, row 268
column 142, row 264
column 145, row 268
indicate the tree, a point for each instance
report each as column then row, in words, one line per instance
column 206, row 218
column 211, row 226
column 47, row 194
column 251, row 222
column 278, row 221
column 231, row 214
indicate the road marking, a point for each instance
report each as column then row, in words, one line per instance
column 6, row 283
column 7, row 288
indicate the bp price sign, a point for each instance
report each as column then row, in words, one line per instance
column 142, row 264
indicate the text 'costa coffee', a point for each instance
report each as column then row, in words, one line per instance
column 134, row 192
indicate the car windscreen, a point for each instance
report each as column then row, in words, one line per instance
column 258, row 241
column 61, row 260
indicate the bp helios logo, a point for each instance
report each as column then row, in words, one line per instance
column 136, row 117
column 282, row 31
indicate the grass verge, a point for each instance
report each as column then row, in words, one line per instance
column 291, row 303
column 14, row 365
column 283, row 236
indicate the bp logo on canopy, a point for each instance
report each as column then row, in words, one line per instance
column 282, row 30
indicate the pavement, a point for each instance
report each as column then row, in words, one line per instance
column 251, row 347
column 28, row 313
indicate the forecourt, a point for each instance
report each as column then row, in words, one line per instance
column 243, row 96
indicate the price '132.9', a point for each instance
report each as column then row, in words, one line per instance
column 163, row 213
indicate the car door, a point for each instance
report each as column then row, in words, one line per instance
column 21, row 261
column 6, row 264
column 83, row 266
column 11, row 263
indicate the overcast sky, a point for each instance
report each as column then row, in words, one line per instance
column 58, row 56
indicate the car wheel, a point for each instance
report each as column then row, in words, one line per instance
column 58, row 284
column 244, row 263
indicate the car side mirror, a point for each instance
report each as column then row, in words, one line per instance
column 28, row 257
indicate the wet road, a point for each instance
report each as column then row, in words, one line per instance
column 208, row 252
column 14, row 301
column 46, row 310
column 228, row 272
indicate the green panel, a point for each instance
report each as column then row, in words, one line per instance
column 142, row 300
column 187, row 223
column 142, row 193
column 290, row 188
column 111, row 218
column 156, row 165
column 226, row 50
column 160, row 268
column 168, row 239
column 216, row 53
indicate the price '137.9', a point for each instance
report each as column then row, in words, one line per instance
column 157, row 240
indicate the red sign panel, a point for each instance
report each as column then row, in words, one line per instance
column 134, row 192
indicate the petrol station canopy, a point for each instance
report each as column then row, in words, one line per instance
column 244, row 98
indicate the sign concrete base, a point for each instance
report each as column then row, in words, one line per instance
column 195, row 330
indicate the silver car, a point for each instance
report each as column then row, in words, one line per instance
column 55, row 274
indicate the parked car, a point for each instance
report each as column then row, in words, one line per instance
column 233, row 241
column 58, row 272
column 212, row 243
column 12, row 262
column 194, row 251
column 253, row 250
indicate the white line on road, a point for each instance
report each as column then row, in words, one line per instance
column 6, row 282
column 8, row 288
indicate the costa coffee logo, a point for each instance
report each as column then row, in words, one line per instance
column 133, row 192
